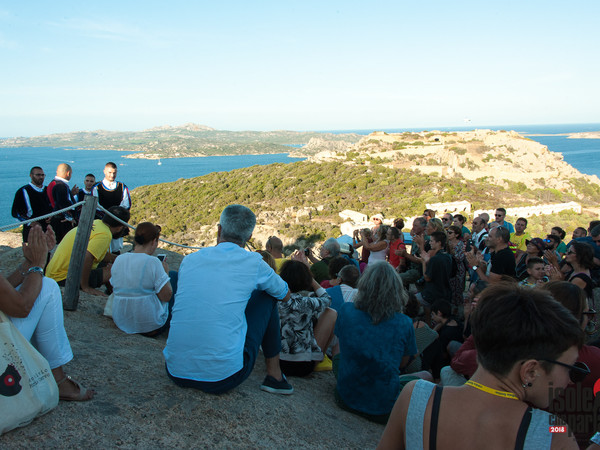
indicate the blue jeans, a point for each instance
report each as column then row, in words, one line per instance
column 262, row 317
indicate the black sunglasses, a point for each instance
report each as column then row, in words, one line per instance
column 577, row 372
column 590, row 312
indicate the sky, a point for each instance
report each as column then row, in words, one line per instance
column 297, row 65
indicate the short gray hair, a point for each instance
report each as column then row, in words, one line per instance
column 381, row 293
column 332, row 246
column 237, row 224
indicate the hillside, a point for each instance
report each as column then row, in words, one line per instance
column 301, row 201
column 187, row 140
column 499, row 157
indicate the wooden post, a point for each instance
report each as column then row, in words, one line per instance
column 84, row 229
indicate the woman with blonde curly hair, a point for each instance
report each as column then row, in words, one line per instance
column 376, row 340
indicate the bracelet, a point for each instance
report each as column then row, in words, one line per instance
column 34, row 269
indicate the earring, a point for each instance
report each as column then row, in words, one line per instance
column 527, row 385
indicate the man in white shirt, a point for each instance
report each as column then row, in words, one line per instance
column 225, row 309
column 479, row 233
column 112, row 193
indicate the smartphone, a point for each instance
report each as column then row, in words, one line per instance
column 161, row 257
column 468, row 245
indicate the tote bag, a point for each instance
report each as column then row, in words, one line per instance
column 27, row 386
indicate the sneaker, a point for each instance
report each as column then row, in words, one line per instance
column 324, row 366
column 273, row 386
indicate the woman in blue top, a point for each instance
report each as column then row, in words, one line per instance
column 376, row 341
column 527, row 349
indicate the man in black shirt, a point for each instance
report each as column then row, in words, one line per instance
column 31, row 201
column 62, row 196
column 502, row 261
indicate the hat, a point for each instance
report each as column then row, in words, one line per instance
column 377, row 216
column 345, row 248
column 538, row 242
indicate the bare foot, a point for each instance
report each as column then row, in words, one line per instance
column 71, row 390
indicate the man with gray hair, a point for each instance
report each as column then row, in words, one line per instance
column 225, row 309
column 329, row 250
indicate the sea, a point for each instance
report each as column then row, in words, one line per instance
column 15, row 163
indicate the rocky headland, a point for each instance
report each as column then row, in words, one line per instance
column 493, row 156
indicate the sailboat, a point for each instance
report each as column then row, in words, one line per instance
column 159, row 162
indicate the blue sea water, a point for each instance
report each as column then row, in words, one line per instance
column 583, row 154
column 15, row 164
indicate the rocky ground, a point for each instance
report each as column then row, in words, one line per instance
column 137, row 406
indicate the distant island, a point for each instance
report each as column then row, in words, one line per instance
column 585, row 135
column 187, row 141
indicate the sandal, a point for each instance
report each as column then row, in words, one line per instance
column 83, row 392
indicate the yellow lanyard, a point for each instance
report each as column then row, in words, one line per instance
column 489, row 390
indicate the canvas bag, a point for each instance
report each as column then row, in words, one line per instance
column 27, row 386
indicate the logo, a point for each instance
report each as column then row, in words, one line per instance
column 9, row 382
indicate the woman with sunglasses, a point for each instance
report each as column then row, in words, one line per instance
column 141, row 286
column 580, row 258
column 528, row 345
column 574, row 299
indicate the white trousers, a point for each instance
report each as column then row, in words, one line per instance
column 44, row 326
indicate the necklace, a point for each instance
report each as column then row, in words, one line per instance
column 489, row 390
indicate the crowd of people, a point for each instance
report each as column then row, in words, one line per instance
column 490, row 313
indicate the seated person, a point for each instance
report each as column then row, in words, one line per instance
column 345, row 288
column 92, row 276
column 376, row 341
column 302, row 344
column 320, row 268
column 141, row 286
column 225, row 310
column 274, row 247
column 335, row 265
column 536, row 273
column 424, row 336
column 33, row 303
column 561, row 249
column 528, row 345
column 438, row 355
column 437, row 271
column 574, row 299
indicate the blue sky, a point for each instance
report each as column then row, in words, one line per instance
column 129, row 65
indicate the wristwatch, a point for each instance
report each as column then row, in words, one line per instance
column 35, row 269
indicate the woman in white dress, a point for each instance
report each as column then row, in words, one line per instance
column 379, row 247
column 141, row 286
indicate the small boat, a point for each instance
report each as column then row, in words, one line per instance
column 159, row 162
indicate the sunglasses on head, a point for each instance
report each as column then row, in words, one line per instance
column 590, row 312
column 577, row 372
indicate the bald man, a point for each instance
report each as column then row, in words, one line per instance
column 62, row 196
column 274, row 246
